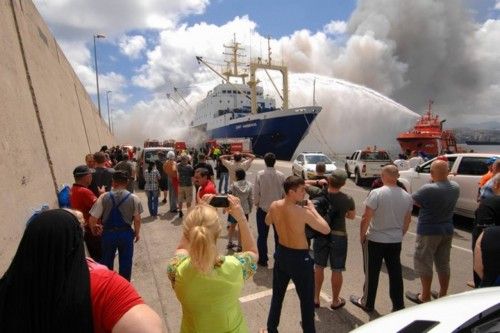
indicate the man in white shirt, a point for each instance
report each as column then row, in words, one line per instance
column 268, row 188
column 415, row 159
column 238, row 162
column 385, row 221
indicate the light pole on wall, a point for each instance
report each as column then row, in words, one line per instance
column 107, row 102
column 97, row 72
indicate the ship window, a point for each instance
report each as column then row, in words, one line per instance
column 224, row 91
column 234, row 91
column 473, row 166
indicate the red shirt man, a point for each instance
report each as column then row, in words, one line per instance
column 206, row 186
column 82, row 199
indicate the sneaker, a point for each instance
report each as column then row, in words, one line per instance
column 181, row 214
column 238, row 248
column 230, row 245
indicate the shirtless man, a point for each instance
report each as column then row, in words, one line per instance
column 292, row 260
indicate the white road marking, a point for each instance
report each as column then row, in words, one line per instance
column 262, row 294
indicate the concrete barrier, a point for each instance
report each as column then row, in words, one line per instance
column 48, row 122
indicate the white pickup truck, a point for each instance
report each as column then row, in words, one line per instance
column 366, row 164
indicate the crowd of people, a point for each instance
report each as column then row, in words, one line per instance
column 60, row 289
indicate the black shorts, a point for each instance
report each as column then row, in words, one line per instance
column 333, row 247
column 163, row 184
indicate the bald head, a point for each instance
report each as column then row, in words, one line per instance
column 390, row 174
column 439, row 170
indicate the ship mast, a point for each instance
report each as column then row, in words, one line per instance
column 232, row 51
column 234, row 55
column 254, row 66
column 430, row 107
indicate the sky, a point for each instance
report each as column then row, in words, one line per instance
column 402, row 51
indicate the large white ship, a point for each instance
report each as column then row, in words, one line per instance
column 240, row 109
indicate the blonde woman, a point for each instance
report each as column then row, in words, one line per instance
column 207, row 284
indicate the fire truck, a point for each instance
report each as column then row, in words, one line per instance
column 233, row 145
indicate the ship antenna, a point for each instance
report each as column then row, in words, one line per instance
column 430, row 106
column 269, row 50
column 314, row 92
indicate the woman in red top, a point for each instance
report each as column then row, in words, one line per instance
column 51, row 287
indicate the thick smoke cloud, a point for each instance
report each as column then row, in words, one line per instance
column 435, row 40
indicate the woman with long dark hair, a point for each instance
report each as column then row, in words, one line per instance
column 51, row 287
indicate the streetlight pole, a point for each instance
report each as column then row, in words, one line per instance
column 97, row 72
column 107, row 102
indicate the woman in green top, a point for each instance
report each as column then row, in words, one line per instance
column 207, row 284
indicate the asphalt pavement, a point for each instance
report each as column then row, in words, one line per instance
column 159, row 238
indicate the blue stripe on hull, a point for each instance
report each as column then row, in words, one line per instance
column 280, row 136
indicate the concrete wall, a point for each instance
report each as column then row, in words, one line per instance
column 48, row 122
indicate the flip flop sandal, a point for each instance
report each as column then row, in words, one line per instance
column 414, row 297
column 338, row 306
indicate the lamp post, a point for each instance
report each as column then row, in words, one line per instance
column 97, row 73
column 107, row 102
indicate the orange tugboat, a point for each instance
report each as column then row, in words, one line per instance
column 428, row 136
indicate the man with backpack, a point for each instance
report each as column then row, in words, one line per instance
column 118, row 209
column 335, row 206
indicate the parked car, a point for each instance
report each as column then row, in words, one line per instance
column 305, row 164
column 366, row 164
column 149, row 154
column 473, row 311
column 466, row 169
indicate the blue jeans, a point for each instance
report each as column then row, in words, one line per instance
column 224, row 178
column 296, row 265
column 263, row 231
column 152, row 202
column 123, row 241
column 172, row 195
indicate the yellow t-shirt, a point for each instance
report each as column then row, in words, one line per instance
column 210, row 301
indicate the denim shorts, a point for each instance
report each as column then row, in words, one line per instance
column 332, row 247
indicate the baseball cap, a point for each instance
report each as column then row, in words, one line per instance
column 339, row 176
column 491, row 160
column 82, row 170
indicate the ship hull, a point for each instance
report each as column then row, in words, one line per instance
column 429, row 145
column 279, row 135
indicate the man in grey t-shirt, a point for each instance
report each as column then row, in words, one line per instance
column 386, row 219
column 434, row 231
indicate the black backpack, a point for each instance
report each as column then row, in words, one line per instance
column 323, row 205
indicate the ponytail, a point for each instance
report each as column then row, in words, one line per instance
column 201, row 229
column 202, row 249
